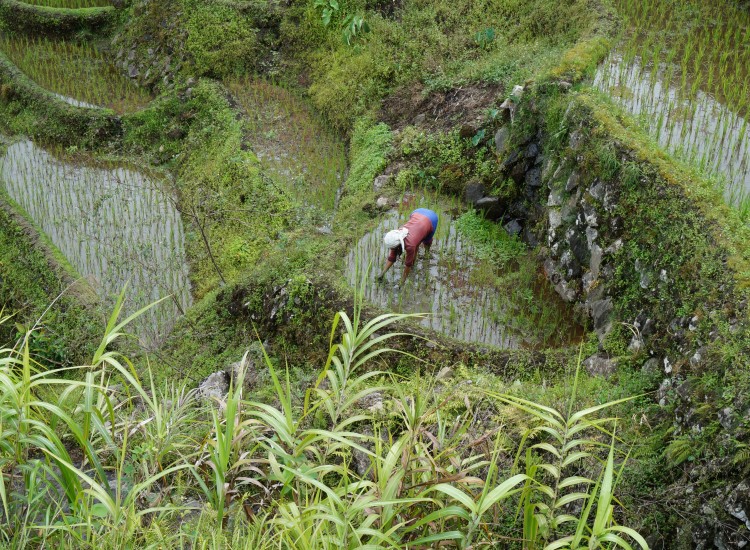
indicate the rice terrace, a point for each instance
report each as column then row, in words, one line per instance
column 315, row 274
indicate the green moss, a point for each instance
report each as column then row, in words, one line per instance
column 24, row 18
column 489, row 239
column 197, row 38
column 221, row 39
column 27, row 108
column 369, row 147
column 444, row 161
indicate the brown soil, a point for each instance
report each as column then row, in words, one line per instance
column 464, row 106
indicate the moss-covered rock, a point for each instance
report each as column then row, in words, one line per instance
column 22, row 18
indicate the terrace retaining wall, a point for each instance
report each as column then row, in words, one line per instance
column 54, row 119
column 22, row 18
column 647, row 250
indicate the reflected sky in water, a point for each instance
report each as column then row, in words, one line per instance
column 113, row 224
column 697, row 128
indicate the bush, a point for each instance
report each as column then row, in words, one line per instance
column 220, row 41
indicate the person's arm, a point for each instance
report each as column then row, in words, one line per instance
column 388, row 265
column 407, row 270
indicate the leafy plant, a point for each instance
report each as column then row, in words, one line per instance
column 351, row 25
column 485, row 38
column 327, row 9
column 568, row 445
column 354, row 26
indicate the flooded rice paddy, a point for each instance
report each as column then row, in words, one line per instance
column 76, row 72
column 115, row 225
column 461, row 293
column 292, row 143
column 695, row 127
column 682, row 67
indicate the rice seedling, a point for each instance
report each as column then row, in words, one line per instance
column 78, row 73
column 293, row 144
column 474, row 291
column 684, row 65
column 69, row 4
column 115, row 225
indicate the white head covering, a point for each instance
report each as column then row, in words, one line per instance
column 396, row 237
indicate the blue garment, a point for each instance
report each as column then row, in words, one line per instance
column 433, row 218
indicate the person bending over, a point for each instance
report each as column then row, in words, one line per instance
column 418, row 230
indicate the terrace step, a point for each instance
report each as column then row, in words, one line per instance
column 64, row 123
column 30, row 19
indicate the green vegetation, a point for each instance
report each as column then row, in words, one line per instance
column 211, row 38
column 370, row 145
column 290, row 472
column 430, row 45
column 236, row 212
column 28, row 18
column 446, row 162
column 491, row 241
column 30, row 110
column 530, row 305
column 77, row 71
column 384, row 452
column 294, row 146
column 34, row 295
column 682, row 70
column 116, row 225
column 70, row 4
column 701, row 43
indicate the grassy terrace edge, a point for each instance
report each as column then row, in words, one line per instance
column 723, row 229
column 29, row 109
column 22, row 18
column 58, row 263
column 723, row 222
column 46, row 289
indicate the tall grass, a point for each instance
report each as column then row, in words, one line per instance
column 92, row 457
column 78, row 72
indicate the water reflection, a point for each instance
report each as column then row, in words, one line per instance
column 696, row 127
column 113, row 224
column 440, row 284
column 75, row 102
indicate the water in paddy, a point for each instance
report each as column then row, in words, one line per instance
column 459, row 291
column 115, row 225
column 692, row 126
column 292, row 143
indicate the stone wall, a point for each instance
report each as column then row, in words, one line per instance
column 656, row 263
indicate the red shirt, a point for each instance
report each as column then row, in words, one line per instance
column 420, row 228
